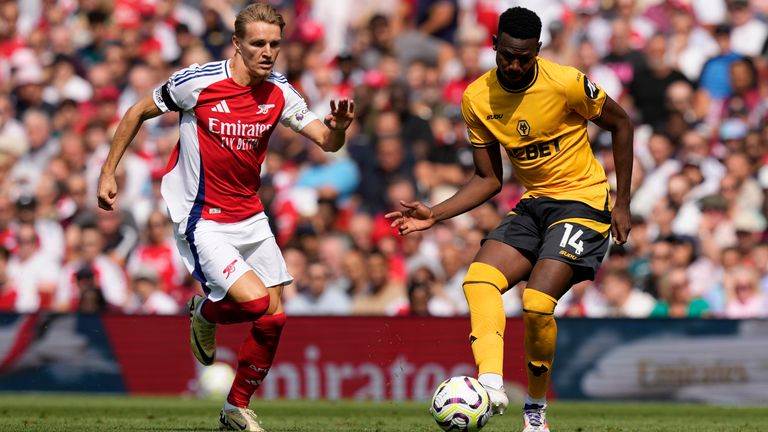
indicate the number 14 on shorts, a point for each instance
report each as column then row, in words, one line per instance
column 572, row 239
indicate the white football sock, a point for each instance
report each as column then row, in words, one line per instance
column 529, row 400
column 491, row 380
column 229, row 407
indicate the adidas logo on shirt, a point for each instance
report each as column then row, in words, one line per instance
column 221, row 107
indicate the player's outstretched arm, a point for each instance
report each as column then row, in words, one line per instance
column 616, row 120
column 330, row 137
column 484, row 184
column 143, row 110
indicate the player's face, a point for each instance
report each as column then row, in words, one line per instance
column 259, row 47
column 515, row 57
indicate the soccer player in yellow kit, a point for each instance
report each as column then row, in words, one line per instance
column 558, row 234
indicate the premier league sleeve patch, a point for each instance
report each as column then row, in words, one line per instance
column 592, row 91
column 299, row 119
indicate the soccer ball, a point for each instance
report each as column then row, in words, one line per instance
column 461, row 404
column 215, row 380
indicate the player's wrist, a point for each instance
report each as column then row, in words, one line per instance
column 622, row 204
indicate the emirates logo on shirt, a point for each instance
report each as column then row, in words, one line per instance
column 239, row 135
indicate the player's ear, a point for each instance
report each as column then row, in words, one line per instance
column 236, row 42
column 538, row 48
column 494, row 41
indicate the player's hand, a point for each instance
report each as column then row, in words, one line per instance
column 106, row 191
column 342, row 114
column 620, row 224
column 415, row 217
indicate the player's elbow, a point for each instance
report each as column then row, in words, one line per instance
column 134, row 111
column 330, row 147
column 496, row 189
column 493, row 185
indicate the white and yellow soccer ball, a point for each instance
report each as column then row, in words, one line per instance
column 461, row 404
column 215, row 380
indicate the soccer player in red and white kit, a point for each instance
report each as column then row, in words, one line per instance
column 228, row 111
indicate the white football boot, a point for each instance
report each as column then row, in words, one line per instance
column 498, row 399
column 239, row 419
column 202, row 335
column 535, row 418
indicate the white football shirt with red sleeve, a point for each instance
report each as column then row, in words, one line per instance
column 214, row 171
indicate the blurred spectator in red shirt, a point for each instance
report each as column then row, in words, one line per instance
column 158, row 252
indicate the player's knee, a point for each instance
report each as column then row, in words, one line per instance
column 481, row 275
column 538, row 303
column 247, row 287
column 254, row 309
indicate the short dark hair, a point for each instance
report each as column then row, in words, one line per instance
column 520, row 23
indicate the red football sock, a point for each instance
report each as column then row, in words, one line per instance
column 255, row 358
column 228, row 311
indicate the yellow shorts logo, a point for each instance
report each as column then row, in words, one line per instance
column 568, row 255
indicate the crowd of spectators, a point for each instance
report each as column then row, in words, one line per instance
column 692, row 74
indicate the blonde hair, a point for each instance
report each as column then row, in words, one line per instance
column 257, row 12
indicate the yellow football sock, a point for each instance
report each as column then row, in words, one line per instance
column 483, row 286
column 540, row 338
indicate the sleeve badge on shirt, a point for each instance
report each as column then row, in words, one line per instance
column 590, row 88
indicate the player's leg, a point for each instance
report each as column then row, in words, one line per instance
column 257, row 351
column 549, row 280
column 254, row 360
column 488, row 277
column 573, row 246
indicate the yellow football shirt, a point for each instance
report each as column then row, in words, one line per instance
column 543, row 128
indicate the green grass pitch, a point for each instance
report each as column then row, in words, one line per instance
column 31, row 412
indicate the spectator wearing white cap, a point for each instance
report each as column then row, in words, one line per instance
column 750, row 227
column 148, row 297
column 29, row 82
